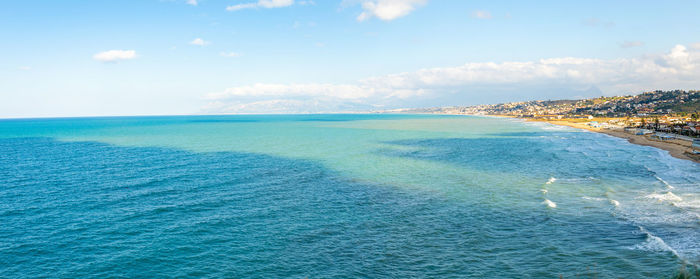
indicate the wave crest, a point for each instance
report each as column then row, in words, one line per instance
column 668, row 196
column 549, row 203
column 654, row 243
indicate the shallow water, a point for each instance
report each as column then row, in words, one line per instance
column 338, row 196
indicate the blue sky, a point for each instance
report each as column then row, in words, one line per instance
column 146, row 57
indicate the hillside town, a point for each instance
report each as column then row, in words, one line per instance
column 674, row 111
column 657, row 115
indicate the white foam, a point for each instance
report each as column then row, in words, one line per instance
column 689, row 204
column 555, row 128
column 551, row 180
column 664, row 182
column 549, row 203
column 547, row 126
column 669, row 196
column 592, row 198
column 615, row 203
column 654, row 243
column 544, row 191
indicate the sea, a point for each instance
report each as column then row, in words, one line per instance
column 338, row 196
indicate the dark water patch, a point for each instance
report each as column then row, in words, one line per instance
column 522, row 153
column 86, row 209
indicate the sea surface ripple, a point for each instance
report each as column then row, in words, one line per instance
column 338, row 196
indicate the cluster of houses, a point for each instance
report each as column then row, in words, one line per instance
column 647, row 104
column 668, row 126
column 688, row 131
column 663, row 114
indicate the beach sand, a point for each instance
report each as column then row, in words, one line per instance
column 677, row 148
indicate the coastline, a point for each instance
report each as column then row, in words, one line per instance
column 677, row 148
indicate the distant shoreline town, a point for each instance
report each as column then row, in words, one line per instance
column 669, row 120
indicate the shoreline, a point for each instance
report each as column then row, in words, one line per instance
column 677, row 148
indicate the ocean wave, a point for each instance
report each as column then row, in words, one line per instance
column 649, row 169
column 576, row 180
column 611, row 201
column 615, row 202
column 664, row 182
column 688, row 204
column 592, row 198
column 549, row 203
column 668, row 196
column 551, row 180
column 654, row 243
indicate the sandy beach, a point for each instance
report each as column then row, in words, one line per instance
column 676, row 148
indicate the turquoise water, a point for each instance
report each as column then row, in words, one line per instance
column 338, row 196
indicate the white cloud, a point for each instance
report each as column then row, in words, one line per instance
column 630, row 44
column 265, row 4
column 24, row 68
column 679, row 59
column 115, row 55
column 199, row 42
column 472, row 83
column 230, row 54
column 192, row 2
column 481, row 14
column 275, row 3
column 241, row 6
column 388, row 9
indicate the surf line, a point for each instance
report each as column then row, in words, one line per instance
column 544, row 191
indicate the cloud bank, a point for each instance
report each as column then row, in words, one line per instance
column 262, row 4
column 471, row 83
column 115, row 55
column 199, row 42
column 387, row 9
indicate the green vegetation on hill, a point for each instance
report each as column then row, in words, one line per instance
column 655, row 103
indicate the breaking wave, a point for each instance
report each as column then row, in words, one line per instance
column 664, row 182
column 549, row 203
column 614, row 202
column 654, row 243
column 668, row 196
column 592, row 198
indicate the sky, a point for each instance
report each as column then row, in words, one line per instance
column 170, row 57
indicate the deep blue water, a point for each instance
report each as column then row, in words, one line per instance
column 79, row 200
